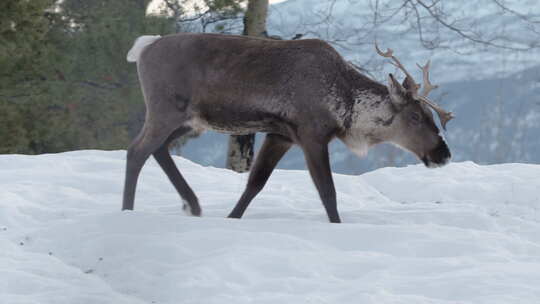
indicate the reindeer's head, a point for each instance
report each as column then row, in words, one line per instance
column 414, row 128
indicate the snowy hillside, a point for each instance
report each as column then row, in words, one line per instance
column 461, row 234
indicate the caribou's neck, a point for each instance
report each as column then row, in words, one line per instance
column 371, row 119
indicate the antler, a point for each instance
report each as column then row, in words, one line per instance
column 444, row 116
column 390, row 54
column 427, row 84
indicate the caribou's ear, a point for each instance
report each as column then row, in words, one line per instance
column 410, row 86
column 397, row 92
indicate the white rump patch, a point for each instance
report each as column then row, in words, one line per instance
column 139, row 45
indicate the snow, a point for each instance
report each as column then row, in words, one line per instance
column 460, row 234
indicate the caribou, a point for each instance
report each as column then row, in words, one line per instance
column 298, row 92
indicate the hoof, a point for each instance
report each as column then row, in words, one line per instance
column 191, row 211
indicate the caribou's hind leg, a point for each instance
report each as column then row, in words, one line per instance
column 272, row 150
column 147, row 142
column 163, row 157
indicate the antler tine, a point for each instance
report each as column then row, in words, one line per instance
column 387, row 54
column 390, row 54
column 444, row 115
column 427, row 84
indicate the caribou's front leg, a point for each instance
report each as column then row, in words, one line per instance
column 318, row 163
column 272, row 150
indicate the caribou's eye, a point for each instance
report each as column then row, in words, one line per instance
column 415, row 118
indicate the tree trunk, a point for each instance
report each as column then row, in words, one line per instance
column 255, row 18
column 240, row 153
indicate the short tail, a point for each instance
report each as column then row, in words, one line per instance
column 139, row 45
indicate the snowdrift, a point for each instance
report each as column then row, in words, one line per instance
column 461, row 234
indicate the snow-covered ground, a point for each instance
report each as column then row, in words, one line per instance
column 461, row 234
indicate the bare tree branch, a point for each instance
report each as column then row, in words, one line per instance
column 469, row 36
column 514, row 12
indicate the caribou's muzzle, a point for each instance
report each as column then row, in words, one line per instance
column 437, row 157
